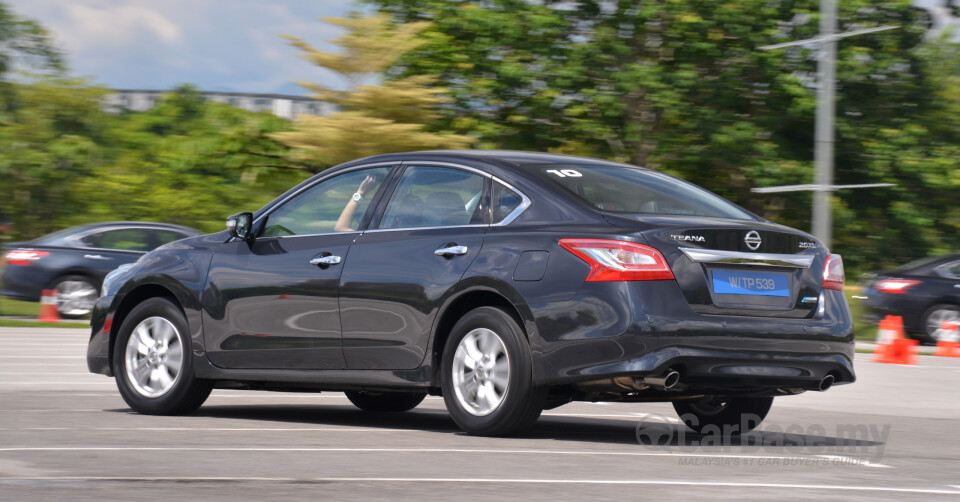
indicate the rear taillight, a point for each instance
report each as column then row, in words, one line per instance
column 23, row 256
column 894, row 286
column 618, row 260
column 833, row 273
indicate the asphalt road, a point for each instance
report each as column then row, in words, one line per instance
column 65, row 434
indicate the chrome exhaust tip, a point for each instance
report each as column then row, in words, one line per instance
column 826, row 383
column 666, row 381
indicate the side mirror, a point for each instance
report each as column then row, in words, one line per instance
column 239, row 225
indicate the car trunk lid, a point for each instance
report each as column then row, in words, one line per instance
column 736, row 267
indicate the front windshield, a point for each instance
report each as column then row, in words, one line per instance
column 638, row 191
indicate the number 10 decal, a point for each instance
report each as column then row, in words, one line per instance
column 563, row 173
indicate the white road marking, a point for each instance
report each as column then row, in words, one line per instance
column 43, row 373
column 627, row 482
column 853, row 460
column 77, row 365
column 44, row 357
column 55, row 383
column 218, row 429
column 51, row 410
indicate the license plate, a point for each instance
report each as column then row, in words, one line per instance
column 738, row 282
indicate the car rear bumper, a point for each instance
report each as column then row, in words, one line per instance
column 25, row 282
column 711, row 353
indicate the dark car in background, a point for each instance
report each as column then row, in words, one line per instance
column 74, row 261
column 925, row 293
column 507, row 282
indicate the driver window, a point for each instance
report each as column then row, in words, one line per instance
column 435, row 197
column 328, row 206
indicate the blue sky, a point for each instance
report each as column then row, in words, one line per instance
column 219, row 45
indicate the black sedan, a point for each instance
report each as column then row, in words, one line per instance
column 925, row 293
column 507, row 282
column 74, row 261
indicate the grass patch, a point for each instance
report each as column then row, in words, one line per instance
column 19, row 308
column 863, row 330
column 17, row 323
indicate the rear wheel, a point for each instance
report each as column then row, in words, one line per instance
column 934, row 318
column 76, row 295
column 487, row 375
column 736, row 415
column 153, row 362
column 385, row 401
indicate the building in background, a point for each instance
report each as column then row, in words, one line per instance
column 281, row 105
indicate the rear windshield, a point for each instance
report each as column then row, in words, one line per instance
column 638, row 191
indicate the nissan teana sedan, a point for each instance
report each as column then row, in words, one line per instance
column 925, row 293
column 507, row 282
column 74, row 261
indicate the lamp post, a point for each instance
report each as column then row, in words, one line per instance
column 824, row 132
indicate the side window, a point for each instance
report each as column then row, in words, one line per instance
column 161, row 237
column 435, row 197
column 505, row 201
column 126, row 239
column 328, row 206
column 950, row 270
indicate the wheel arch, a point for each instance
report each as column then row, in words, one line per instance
column 468, row 298
column 130, row 300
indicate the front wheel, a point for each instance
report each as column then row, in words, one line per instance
column 385, row 401
column 153, row 362
column 733, row 415
column 487, row 375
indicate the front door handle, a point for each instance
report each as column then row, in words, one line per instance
column 451, row 251
column 96, row 257
column 325, row 260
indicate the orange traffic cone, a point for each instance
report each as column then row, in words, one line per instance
column 948, row 344
column 892, row 346
column 886, row 335
column 48, row 306
column 901, row 352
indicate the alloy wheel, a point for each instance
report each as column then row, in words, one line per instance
column 153, row 357
column 75, row 298
column 481, row 372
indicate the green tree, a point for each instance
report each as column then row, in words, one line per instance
column 26, row 42
column 682, row 87
column 373, row 118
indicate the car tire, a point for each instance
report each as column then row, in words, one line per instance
column 934, row 317
column 385, row 402
column 76, row 295
column 736, row 415
column 497, row 396
column 153, row 362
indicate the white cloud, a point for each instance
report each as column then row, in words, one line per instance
column 215, row 44
column 91, row 26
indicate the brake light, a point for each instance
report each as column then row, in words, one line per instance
column 611, row 260
column 894, row 286
column 23, row 256
column 833, row 273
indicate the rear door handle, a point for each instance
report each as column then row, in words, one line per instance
column 451, row 251
column 325, row 260
column 96, row 257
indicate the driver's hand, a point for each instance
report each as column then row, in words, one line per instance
column 367, row 184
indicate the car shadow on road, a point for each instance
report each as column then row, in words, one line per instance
column 554, row 428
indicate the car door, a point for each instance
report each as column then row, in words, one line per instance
column 400, row 272
column 272, row 303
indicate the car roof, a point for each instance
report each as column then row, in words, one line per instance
column 138, row 224
column 501, row 157
column 58, row 237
